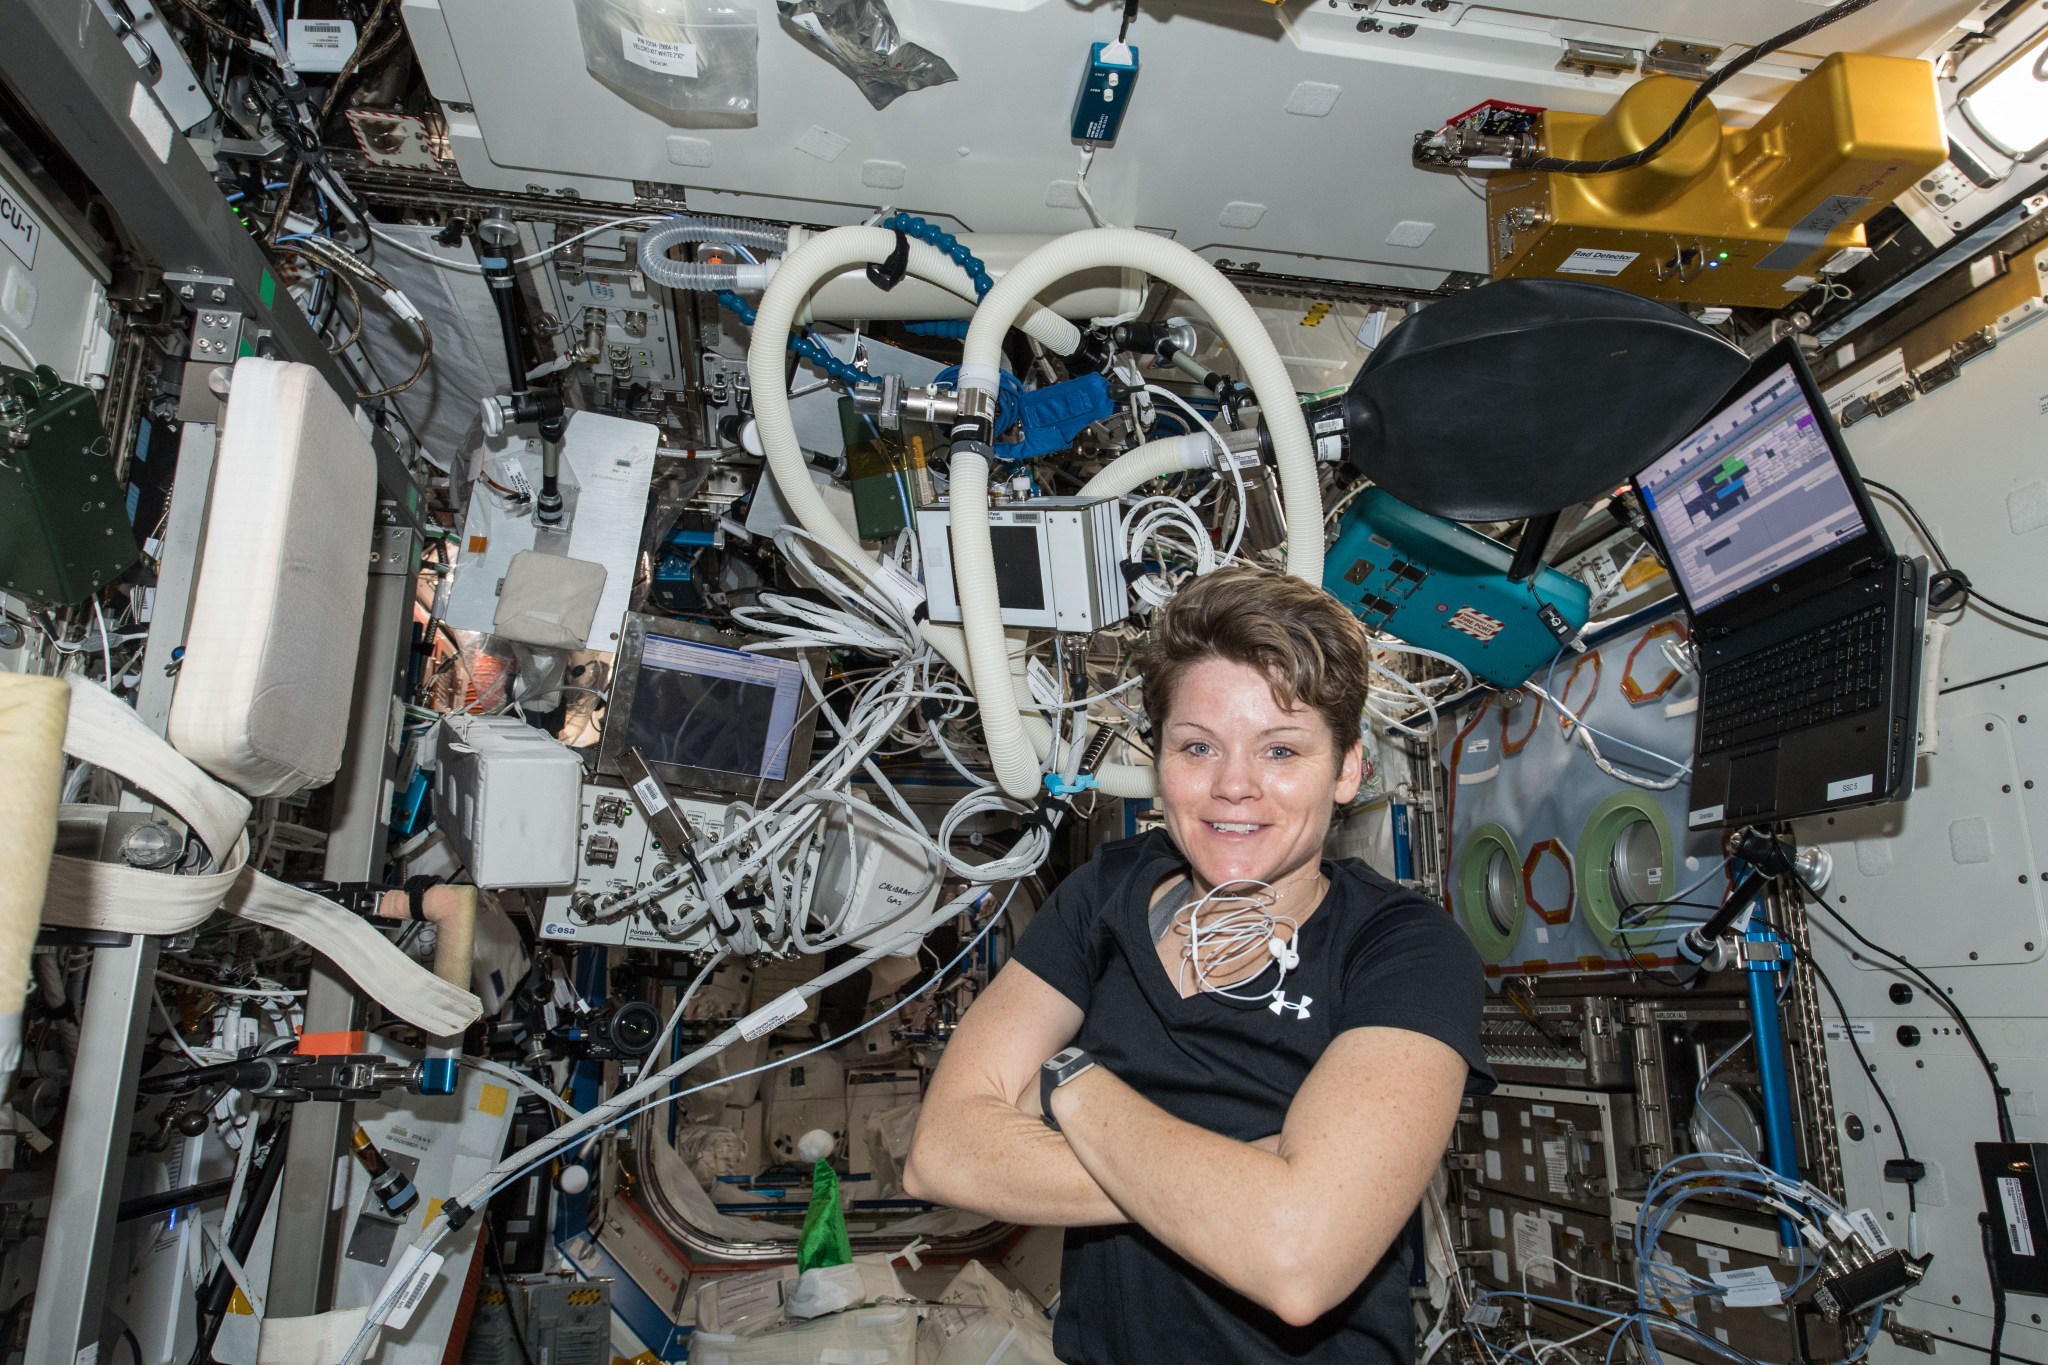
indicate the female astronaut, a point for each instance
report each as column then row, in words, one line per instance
column 1226, row 1064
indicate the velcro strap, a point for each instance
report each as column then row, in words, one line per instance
column 888, row 274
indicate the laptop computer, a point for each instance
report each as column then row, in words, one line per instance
column 1806, row 621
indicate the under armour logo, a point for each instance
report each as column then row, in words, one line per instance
column 1282, row 1004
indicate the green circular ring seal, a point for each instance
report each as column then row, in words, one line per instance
column 1605, row 831
column 1473, row 882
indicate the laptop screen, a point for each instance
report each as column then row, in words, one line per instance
column 1754, row 491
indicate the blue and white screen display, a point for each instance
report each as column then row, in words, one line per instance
column 1752, row 492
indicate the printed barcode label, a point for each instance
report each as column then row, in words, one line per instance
column 2019, row 1231
column 1045, row 689
column 1750, row 1287
column 416, row 1287
column 1870, row 1231
column 652, row 797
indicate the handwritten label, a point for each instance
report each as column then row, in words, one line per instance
column 19, row 230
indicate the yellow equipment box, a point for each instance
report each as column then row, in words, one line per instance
column 1729, row 216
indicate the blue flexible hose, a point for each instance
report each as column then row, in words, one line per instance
column 910, row 225
column 806, row 347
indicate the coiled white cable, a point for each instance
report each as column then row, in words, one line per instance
column 1582, row 735
column 1246, row 930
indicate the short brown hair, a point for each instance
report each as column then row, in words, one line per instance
column 1313, row 652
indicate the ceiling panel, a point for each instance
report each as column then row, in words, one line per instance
column 1209, row 139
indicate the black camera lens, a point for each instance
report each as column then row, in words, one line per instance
column 632, row 1027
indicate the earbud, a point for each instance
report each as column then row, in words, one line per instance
column 1283, row 952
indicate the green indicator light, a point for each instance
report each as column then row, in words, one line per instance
column 1723, row 255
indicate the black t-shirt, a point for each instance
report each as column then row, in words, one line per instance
column 1372, row 955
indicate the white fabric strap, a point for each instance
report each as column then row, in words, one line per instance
column 386, row 975
column 86, row 894
column 105, row 732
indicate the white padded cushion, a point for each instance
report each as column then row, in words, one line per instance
column 548, row 601
column 270, row 652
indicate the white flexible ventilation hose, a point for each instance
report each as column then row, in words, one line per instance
column 980, row 370
column 819, row 258
column 1153, row 460
column 1018, row 771
column 1134, row 781
column 1240, row 327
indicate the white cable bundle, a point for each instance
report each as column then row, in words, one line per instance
column 1246, row 930
column 1582, row 735
column 1148, row 522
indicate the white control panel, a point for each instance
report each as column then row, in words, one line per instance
column 616, row 856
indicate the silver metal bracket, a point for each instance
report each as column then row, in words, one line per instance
column 1598, row 59
column 1673, row 57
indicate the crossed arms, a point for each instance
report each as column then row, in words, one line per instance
column 1294, row 1221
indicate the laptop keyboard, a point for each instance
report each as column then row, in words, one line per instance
column 1835, row 670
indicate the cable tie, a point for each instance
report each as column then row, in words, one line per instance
column 415, row 895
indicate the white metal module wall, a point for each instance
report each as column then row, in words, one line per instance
column 1953, row 878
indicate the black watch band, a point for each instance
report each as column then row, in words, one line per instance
column 1061, row 1068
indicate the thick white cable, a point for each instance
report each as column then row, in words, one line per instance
column 1226, row 308
column 519, row 1079
column 1227, row 458
column 1583, row 736
column 471, row 268
column 622, row 1106
column 1127, row 780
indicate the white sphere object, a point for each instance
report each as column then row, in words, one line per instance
column 574, row 1179
column 816, row 1145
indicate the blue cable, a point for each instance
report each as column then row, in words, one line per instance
column 951, row 329
column 910, row 225
column 806, row 347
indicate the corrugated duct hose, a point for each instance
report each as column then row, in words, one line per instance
column 819, row 259
column 33, row 712
column 1010, row 748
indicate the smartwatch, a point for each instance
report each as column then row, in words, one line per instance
column 1063, row 1067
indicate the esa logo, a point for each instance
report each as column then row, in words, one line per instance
column 1476, row 624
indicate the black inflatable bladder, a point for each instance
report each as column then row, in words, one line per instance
column 1523, row 397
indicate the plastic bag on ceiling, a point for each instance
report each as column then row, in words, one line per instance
column 860, row 38
column 692, row 63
